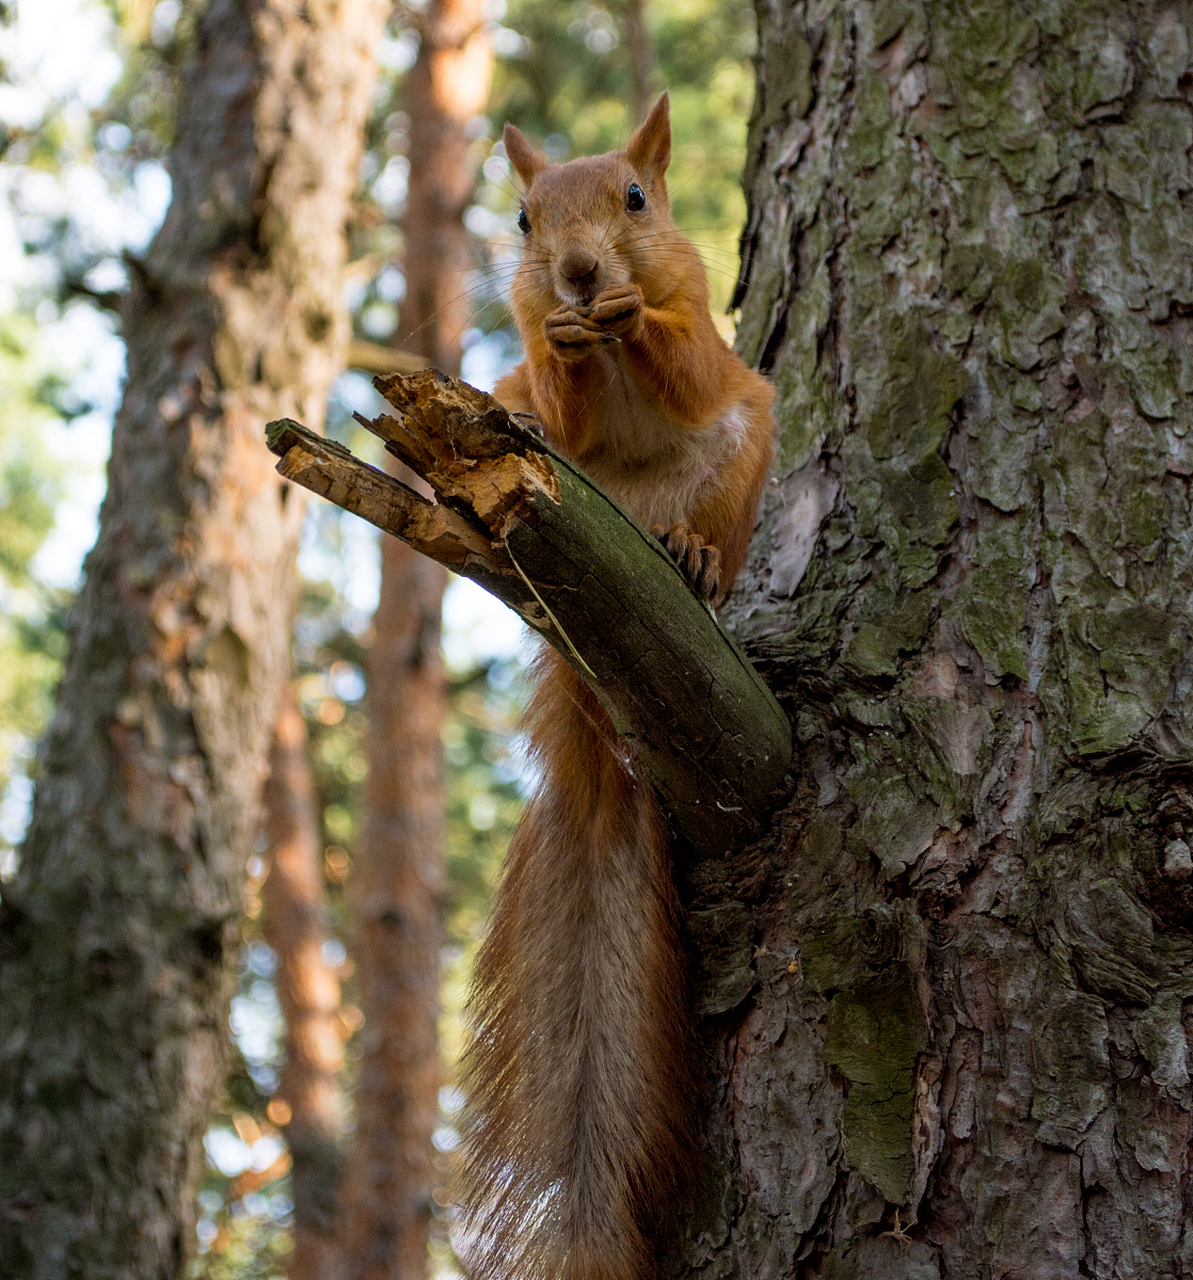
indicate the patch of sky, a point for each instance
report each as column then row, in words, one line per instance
column 399, row 54
column 232, row 1155
column 343, row 550
column 391, row 284
column 261, row 959
column 15, row 808
column 477, row 629
column 345, row 681
column 391, row 184
column 82, row 442
column 257, row 1025
column 487, row 357
column 43, row 67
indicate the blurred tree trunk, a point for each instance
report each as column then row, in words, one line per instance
column 120, row 932
column 640, row 53
column 949, row 997
column 447, row 87
column 294, row 920
column 397, row 889
column 398, row 879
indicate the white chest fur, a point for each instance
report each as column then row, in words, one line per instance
column 657, row 468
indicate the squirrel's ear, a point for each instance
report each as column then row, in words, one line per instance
column 649, row 150
column 525, row 159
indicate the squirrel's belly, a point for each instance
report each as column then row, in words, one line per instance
column 657, row 468
column 657, row 496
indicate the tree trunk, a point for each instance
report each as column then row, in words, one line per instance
column 398, row 882
column 447, row 86
column 948, row 997
column 397, row 889
column 308, row 1100
column 641, row 60
column 120, row 931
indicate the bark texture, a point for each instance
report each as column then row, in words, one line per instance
column 295, row 926
column 120, row 931
column 398, row 884
column 949, row 998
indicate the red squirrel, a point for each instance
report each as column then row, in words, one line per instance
column 579, row 1080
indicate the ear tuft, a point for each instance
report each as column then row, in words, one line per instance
column 649, row 150
column 525, row 159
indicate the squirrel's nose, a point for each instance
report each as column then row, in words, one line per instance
column 577, row 264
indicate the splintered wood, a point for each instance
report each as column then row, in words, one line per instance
column 476, row 457
column 328, row 469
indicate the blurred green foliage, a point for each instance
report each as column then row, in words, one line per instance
column 31, row 613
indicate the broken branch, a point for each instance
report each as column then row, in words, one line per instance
column 521, row 520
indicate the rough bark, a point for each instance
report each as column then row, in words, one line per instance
column 527, row 525
column 120, row 931
column 949, row 997
column 295, row 926
column 398, row 884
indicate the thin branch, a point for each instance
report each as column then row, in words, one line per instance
column 372, row 357
column 523, row 522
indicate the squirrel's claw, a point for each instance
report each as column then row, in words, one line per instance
column 572, row 335
column 699, row 563
column 531, row 423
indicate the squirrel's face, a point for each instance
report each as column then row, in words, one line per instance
column 590, row 224
column 598, row 221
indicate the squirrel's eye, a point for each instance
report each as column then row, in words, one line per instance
column 523, row 222
column 635, row 198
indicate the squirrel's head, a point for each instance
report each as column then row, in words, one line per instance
column 601, row 220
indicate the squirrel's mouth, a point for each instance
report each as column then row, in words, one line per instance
column 577, row 293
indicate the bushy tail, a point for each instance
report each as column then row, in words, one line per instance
column 579, row 1093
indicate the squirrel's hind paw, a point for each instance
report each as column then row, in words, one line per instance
column 530, row 423
column 699, row 563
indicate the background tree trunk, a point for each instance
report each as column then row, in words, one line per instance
column 640, row 58
column 397, row 889
column 120, row 931
column 398, row 881
column 949, row 995
column 308, row 1101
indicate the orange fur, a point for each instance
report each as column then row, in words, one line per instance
column 580, row 1094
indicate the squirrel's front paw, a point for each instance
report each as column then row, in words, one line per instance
column 618, row 309
column 574, row 336
column 699, row 563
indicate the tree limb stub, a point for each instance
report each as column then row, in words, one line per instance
column 524, row 523
column 372, row 357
